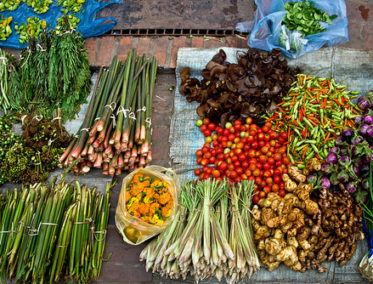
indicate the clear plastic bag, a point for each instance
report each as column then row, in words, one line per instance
column 134, row 230
column 266, row 27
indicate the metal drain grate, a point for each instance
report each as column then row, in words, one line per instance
column 173, row 32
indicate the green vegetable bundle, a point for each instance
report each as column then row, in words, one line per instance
column 54, row 75
column 53, row 233
column 10, row 5
column 32, row 29
column 40, row 6
column 210, row 236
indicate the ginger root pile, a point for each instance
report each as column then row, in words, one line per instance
column 302, row 231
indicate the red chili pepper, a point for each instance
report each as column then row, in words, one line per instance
column 317, row 156
column 301, row 115
column 303, row 133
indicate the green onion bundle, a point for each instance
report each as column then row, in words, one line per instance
column 206, row 239
column 53, row 233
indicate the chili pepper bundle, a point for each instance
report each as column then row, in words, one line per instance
column 314, row 112
column 116, row 132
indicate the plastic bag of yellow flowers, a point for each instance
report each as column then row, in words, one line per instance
column 147, row 203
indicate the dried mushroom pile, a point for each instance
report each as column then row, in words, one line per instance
column 303, row 231
column 250, row 88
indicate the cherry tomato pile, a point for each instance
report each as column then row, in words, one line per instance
column 244, row 152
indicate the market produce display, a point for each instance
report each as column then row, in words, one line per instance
column 314, row 113
column 5, row 29
column 303, row 230
column 52, row 233
column 116, row 131
column 230, row 92
column 244, row 152
column 10, row 5
column 70, row 19
column 7, row 79
column 149, row 199
column 53, row 75
column 39, row 6
column 303, row 16
column 71, row 5
column 29, row 158
column 32, row 29
column 211, row 235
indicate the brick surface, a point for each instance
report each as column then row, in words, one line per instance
column 143, row 46
column 197, row 41
column 358, row 11
column 177, row 42
column 161, row 47
column 212, row 42
column 231, row 41
column 91, row 47
column 355, row 36
column 368, row 36
column 105, row 51
column 125, row 45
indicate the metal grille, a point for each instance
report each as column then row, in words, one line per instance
column 173, row 32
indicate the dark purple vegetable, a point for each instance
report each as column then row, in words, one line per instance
column 358, row 119
column 364, row 129
column 338, row 141
column 326, row 169
column 325, row 182
column 356, row 170
column 368, row 119
column 332, row 158
column 365, row 184
column 334, row 150
column 351, row 187
column 370, row 131
column 353, row 150
column 347, row 134
column 363, row 103
column 357, row 140
column 344, row 160
column 312, row 179
column 364, row 168
column 342, row 177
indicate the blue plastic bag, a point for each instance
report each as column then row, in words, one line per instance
column 266, row 26
column 87, row 26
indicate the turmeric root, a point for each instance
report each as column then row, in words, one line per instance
column 295, row 174
column 312, row 165
column 290, row 185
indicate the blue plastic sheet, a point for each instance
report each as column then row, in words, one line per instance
column 88, row 25
column 266, row 26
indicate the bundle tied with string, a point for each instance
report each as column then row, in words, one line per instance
column 133, row 229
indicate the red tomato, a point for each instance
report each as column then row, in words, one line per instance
column 212, row 160
column 242, row 157
column 277, row 179
column 211, row 126
column 262, row 194
column 207, row 155
column 268, row 124
column 266, row 166
column 246, row 148
column 237, row 122
column 286, row 160
column 203, row 128
column 256, row 172
column 204, row 162
column 199, row 153
column 284, row 135
column 220, row 156
column 248, row 172
column 259, row 166
column 275, row 187
column 261, row 136
column 237, row 179
column 231, row 137
column 234, row 159
column 254, row 145
column 279, row 163
column 267, row 189
column 263, row 159
column 197, row 172
column 252, row 133
column 215, row 173
column 237, row 164
column 245, row 164
column 278, row 145
column 261, row 143
column 233, row 174
column 226, row 132
column 265, row 128
column 199, row 160
column 215, row 143
column 282, row 193
column 267, row 173
column 272, row 143
column 252, row 167
column 258, row 180
column 237, row 151
column 240, row 145
column 271, row 161
column 239, row 171
column 250, row 139
column 207, row 133
column 237, row 127
column 281, row 141
column 282, row 185
column 277, row 156
column 219, row 150
column 249, row 120
column 269, row 180
column 219, row 130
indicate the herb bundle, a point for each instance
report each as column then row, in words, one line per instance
column 206, row 239
column 304, row 17
column 5, row 29
column 29, row 158
column 55, row 74
column 51, row 233
column 116, row 132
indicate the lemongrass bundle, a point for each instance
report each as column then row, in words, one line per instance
column 53, row 233
column 116, row 132
column 206, row 239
